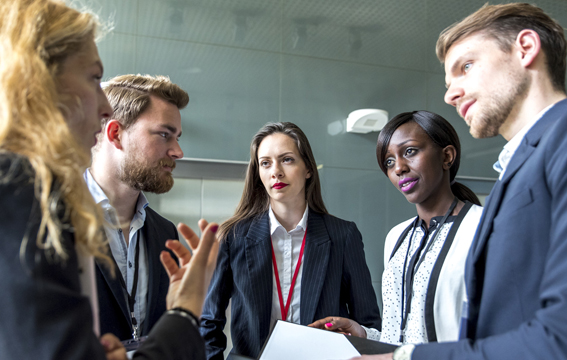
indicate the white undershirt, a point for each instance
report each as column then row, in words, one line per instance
column 287, row 246
column 510, row 148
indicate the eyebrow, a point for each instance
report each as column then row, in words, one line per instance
column 404, row 142
column 279, row 156
column 172, row 129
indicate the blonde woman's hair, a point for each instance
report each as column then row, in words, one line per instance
column 36, row 36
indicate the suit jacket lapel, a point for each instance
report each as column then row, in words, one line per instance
column 526, row 148
column 315, row 262
column 151, row 240
column 259, row 262
column 114, row 284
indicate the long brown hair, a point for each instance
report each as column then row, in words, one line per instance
column 255, row 199
column 36, row 36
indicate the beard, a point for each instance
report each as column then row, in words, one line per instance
column 498, row 106
column 139, row 175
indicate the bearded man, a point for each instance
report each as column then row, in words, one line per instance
column 136, row 152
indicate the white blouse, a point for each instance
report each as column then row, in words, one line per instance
column 448, row 281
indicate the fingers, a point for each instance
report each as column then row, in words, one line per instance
column 203, row 224
column 168, row 263
column 182, row 253
column 189, row 235
column 113, row 347
column 207, row 243
column 320, row 324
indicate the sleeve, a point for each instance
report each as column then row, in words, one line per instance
column 361, row 298
column 213, row 318
column 371, row 333
column 172, row 337
column 545, row 335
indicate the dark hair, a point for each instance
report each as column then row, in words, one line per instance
column 440, row 132
column 255, row 199
column 503, row 23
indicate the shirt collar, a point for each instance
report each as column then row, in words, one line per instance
column 100, row 197
column 275, row 224
column 510, row 148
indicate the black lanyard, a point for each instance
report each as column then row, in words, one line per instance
column 132, row 296
column 415, row 262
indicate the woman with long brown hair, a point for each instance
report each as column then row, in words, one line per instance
column 51, row 105
column 282, row 256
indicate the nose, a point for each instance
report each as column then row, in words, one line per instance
column 104, row 109
column 175, row 152
column 453, row 94
column 401, row 167
column 277, row 171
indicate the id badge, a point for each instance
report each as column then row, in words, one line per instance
column 133, row 344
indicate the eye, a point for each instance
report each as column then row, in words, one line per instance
column 410, row 151
column 287, row 159
column 467, row 67
column 164, row 135
column 389, row 163
column 264, row 163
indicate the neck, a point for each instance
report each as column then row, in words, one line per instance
column 289, row 215
column 539, row 96
column 122, row 197
column 426, row 211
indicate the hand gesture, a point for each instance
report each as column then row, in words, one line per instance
column 189, row 281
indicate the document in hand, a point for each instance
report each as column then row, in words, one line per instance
column 291, row 341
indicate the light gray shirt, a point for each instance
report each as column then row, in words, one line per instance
column 123, row 254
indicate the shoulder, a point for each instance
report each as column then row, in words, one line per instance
column 333, row 220
column 399, row 229
column 156, row 216
column 474, row 213
column 15, row 169
column 252, row 225
column 393, row 236
column 161, row 224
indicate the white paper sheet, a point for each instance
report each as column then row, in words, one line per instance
column 290, row 341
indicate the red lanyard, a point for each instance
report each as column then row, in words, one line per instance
column 285, row 309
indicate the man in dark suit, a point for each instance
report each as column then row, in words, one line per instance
column 505, row 74
column 136, row 152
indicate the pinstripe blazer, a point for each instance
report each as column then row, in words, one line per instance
column 335, row 282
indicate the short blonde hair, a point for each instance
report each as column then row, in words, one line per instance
column 503, row 23
column 129, row 95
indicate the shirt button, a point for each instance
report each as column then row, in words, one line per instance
column 129, row 264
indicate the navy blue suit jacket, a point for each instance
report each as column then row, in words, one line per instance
column 335, row 281
column 113, row 306
column 516, row 272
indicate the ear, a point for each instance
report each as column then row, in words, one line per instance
column 528, row 45
column 113, row 133
column 449, row 156
column 308, row 175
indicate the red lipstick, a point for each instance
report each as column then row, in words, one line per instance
column 279, row 185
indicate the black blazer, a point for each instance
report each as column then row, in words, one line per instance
column 113, row 305
column 335, row 282
column 42, row 312
column 516, row 271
